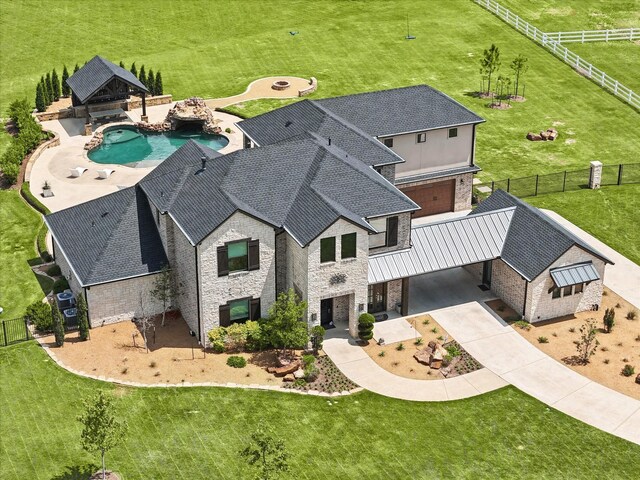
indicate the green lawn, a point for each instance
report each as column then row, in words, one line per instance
column 616, row 59
column 610, row 214
column 18, row 229
column 350, row 47
column 196, row 433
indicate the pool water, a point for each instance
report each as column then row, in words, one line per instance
column 126, row 145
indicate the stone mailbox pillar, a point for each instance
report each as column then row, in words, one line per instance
column 595, row 177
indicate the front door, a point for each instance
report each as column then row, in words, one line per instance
column 377, row 298
column 326, row 311
column 486, row 273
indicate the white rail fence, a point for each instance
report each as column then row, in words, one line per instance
column 579, row 64
column 583, row 36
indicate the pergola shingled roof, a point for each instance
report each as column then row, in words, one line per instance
column 96, row 74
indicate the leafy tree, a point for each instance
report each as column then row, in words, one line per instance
column 101, row 431
column 502, row 85
column 158, row 88
column 143, row 76
column 164, row 289
column 267, row 453
column 40, row 100
column 365, row 326
column 490, row 63
column 55, row 85
column 49, row 86
column 83, row 321
column 588, row 343
column 609, row 319
column 519, row 67
column 134, row 69
column 66, row 91
column 122, row 64
column 145, row 320
column 76, row 68
column 151, row 82
column 284, row 327
column 58, row 326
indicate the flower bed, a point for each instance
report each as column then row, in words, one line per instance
column 329, row 380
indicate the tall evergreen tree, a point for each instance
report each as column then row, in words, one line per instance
column 45, row 92
column 134, row 69
column 122, row 64
column 55, row 85
column 143, row 76
column 151, row 82
column 83, row 321
column 41, row 106
column 76, row 68
column 58, row 326
column 66, row 91
column 159, row 87
column 47, row 83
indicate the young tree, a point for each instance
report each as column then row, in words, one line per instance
column 365, row 326
column 151, row 82
column 83, row 321
column 588, row 343
column 40, row 101
column 490, row 63
column 144, row 320
column 609, row 319
column 143, row 76
column 519, row 67
column 134, row 69
column 267, row 453
column 55, row 85
column 66, row 91
column 101, row 430
column 158, row 87
column 49, row 86
column 164, row 289
column 58, row 325
column 285, row 328
column 76, row 68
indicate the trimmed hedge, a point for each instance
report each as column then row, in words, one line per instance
column 54, row 270
column 236, row 361
column 25, row 191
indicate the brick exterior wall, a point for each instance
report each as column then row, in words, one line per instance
column 404, row 235
column 356, row 270
column 297, row 259
column 341, row 308
column 463, row 189
column 540, row 305
column 215, row 290
column 182, row 260
column 389, row 172
column 394, row 293
column 281, row 262
column 123, row 300
column 507, row 285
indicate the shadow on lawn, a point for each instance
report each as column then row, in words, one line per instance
column 77, row 472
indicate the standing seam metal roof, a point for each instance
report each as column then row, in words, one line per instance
column 574, row 274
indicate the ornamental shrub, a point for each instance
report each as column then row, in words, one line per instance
column 365, row 326
column 133, row 69
column 83, row 321
column 317, row 337
column 49, row 86
column 236, row 337
column 54, row 270
column 254, row 338
column 609, row 319
column 66, row 90
column 628, row 370
column 151, row 82
column 55, row 85
column 159, row 89
column 236, row 361
column 216, row 337
column 143, row 76
column 60, row 285
column 39, row 314
column 40, row 100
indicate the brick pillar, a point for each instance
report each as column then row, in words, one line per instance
column 88, row 129
column 595, row 177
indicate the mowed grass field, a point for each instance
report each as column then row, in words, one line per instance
column 196, row 433
column 350, row 46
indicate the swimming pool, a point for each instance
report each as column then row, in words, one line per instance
column 126, row 145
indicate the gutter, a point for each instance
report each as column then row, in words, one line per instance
column 430, row 129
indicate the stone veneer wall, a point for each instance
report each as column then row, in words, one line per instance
column 182, row 260
column 404, row 235
column 216, row 291
column 281, row 262
column 507, row 284
column 540, row 305
column 122, row 300
column 389, row 172
column 341, row 306
column 394, row 293
column 356, row 270
column 463, row 189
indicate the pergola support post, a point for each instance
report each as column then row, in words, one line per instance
column 87, row 122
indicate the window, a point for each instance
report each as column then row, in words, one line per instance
column 328, row 249
column 453, row 132
column 387, row 235
column 238, row 311
column 579, row 288
column 555, row 293
column 388, row 142
column 348, row 247
column 238, row 256
column 421, row 137
column 567, row 291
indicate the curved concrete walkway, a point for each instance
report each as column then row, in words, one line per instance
column 261, row 88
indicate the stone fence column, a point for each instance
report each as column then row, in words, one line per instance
column 595, row 177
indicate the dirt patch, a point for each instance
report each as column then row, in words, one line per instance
column 60, row 104
column 618, row 348
column 109, row 475
column 499, row 106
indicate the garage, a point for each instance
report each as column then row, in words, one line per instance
column 433, row 198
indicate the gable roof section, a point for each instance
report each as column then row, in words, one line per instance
column 95, row 74
column 400, row 110
column 534, row 240
column 110, row 238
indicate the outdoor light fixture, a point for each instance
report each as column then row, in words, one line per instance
column 314, row 317
column 361, row 307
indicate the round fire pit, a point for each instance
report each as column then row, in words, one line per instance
column 280, row 85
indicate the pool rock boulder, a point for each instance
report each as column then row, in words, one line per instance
column 193, row 110
column 95, row 141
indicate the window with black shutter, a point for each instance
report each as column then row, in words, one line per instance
column 392, row 231
column 225, row 315
column 255, row 309
column 254, row 254
column 348, row 246
column 328, row 249
column 223, row 261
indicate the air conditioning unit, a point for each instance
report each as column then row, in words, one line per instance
column 70, row 317
column 65, row 300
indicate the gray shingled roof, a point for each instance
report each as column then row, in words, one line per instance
column 95, row 74
column 109, row 238
column 302, row 185
column 534, row 240
column 400, row 110
column 306, row 116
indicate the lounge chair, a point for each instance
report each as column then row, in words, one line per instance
column 105, row 173
column 78, row 171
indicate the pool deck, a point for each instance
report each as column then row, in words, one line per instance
column 55, row 163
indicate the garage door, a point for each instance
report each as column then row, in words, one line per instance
column 433, row 198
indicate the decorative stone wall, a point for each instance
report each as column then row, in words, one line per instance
column 313, row 86
column 540, row 305
column 404, row 235
column 54, row 142
column 59, row 115
column 463, row 189
column 136, row 102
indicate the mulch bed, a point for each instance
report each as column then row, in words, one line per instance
column 465, row 363
column 329, row 380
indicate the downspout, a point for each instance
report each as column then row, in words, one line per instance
column 473, row 145
column 86, row 303
column 198, row 295
column 526, row 290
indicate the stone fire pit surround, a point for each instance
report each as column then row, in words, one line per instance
column 280, row 85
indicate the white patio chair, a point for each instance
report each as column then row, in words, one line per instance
column 105, row 173
column 78, row 171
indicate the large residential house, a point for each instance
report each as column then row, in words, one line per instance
column 320, row 201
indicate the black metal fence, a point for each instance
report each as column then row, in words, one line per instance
column 14, row 331
column 560, row 181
